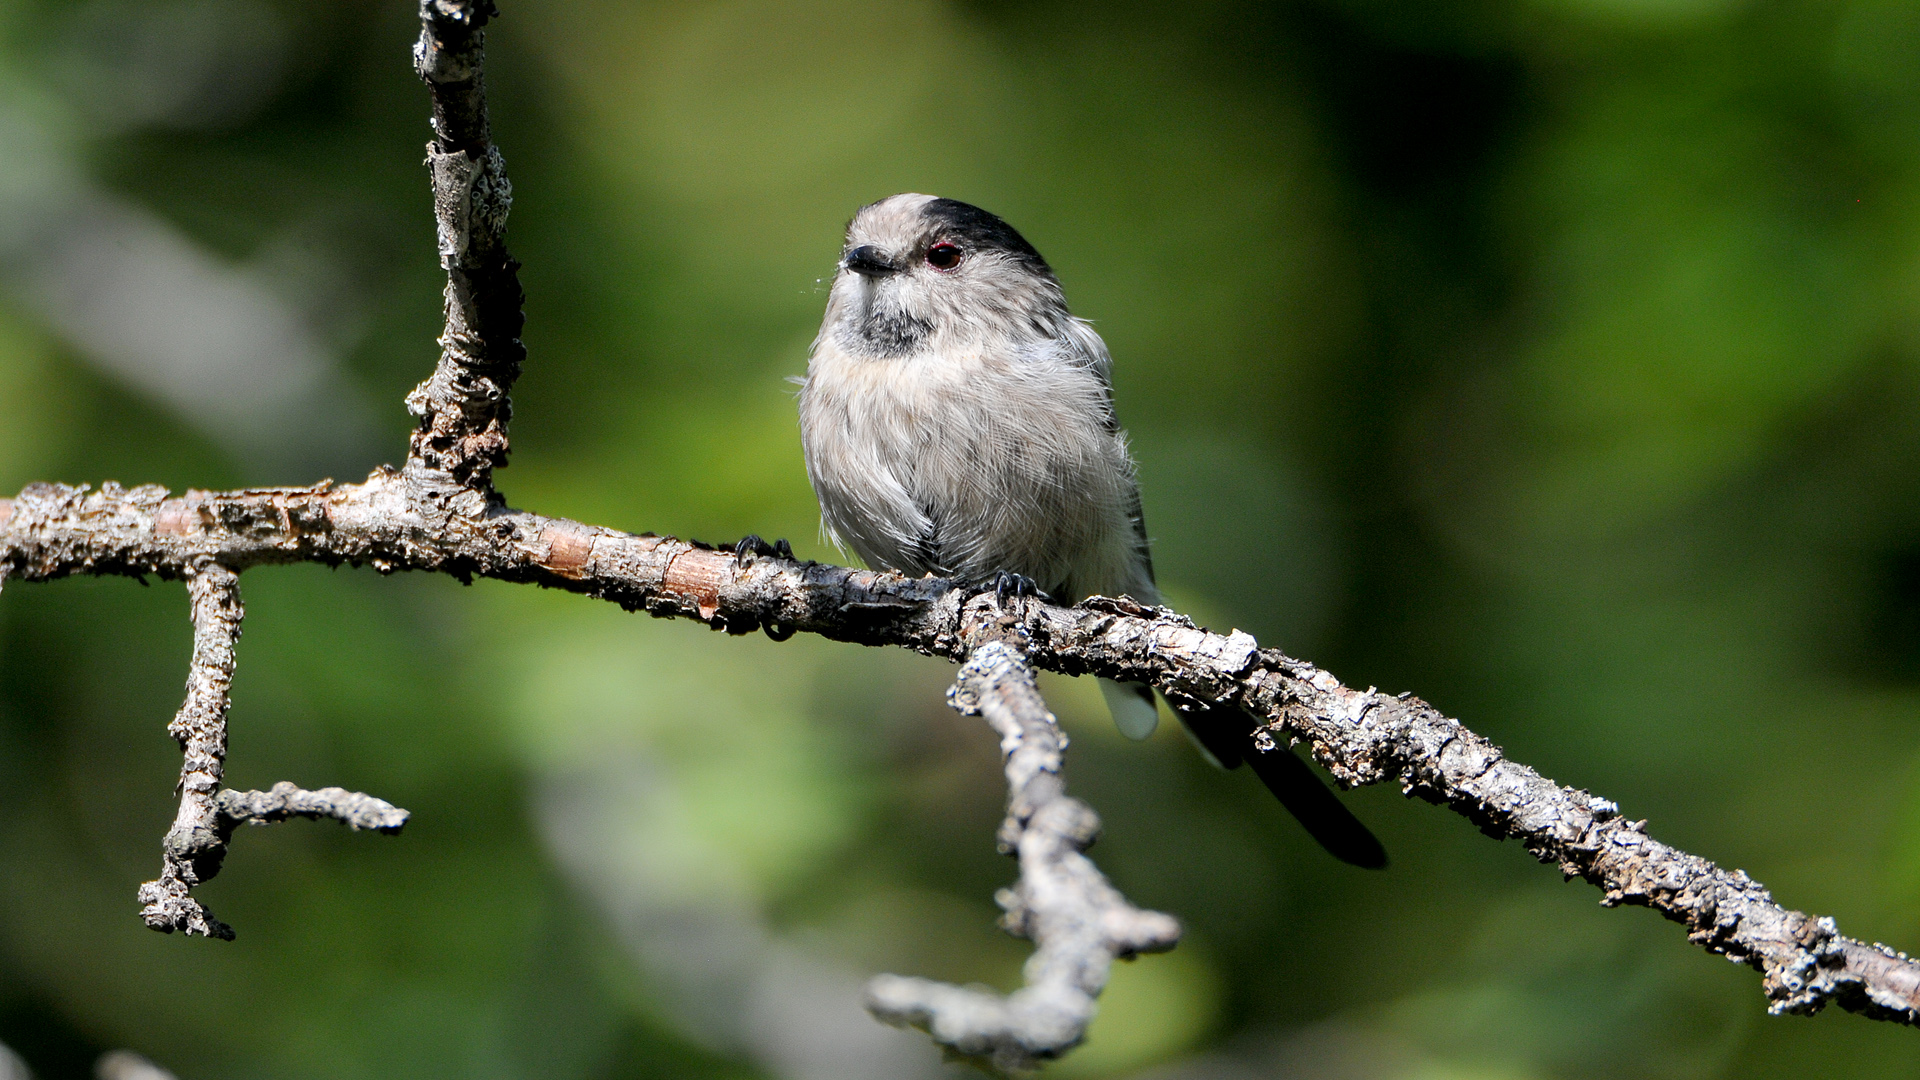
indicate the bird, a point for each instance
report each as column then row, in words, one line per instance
column 957, row 420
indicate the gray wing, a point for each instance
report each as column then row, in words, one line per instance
column 1141, row 545
column 1091, row 352
column 1087, row 351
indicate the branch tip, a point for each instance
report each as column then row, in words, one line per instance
column 355, row 810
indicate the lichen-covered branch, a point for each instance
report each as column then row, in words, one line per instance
column 1362, row 737
column 197, row 844
column 462, row 409
column 1078, row 922
column 194, row 848
column 1367, row 737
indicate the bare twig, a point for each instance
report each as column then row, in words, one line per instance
column 194, row 847
column 197, row 844
column 353, row 809
column 441, row 514
column 1078, row 921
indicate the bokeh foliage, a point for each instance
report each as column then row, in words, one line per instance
column 1558, row 361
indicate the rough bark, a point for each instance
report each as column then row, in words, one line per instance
column 1362, row 737
column 197, row 844
column 439, row 513
column 194, row 847
column 462, row 408
column 1078, row 922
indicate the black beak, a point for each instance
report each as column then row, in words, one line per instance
column 867, row 259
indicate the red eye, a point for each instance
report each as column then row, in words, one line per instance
column 943, row 256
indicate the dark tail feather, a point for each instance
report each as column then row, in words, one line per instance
column 1318, row 808
column 1228, row 736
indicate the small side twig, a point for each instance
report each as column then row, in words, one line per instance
column 194, row 848
column 197, row 844
column 356, row 810
column 1079, row 922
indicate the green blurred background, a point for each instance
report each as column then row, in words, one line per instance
column 1556, row 360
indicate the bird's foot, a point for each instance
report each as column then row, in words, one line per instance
column 751, row 546
column 1005, row 583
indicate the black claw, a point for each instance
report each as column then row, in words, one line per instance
column 783, row 549
column 751, row 546
column 1006, row 583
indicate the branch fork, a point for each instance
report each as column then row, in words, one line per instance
column 197, row 844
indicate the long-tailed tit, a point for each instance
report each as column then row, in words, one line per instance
column 958, row 421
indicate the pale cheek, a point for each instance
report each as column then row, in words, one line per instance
column 912, row 294
column 854, row 294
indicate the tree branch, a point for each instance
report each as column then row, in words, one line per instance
column 1366, row 737
column 355, row 810
column 197, row 844
column 440, row 514
column 1078, row 922
column 462, row 408
column 194, row 847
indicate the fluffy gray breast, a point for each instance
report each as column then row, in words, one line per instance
column 972, row 461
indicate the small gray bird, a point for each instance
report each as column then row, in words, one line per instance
column 958, row 421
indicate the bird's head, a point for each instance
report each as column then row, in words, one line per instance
column 919, row 272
